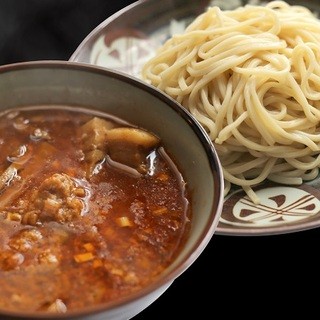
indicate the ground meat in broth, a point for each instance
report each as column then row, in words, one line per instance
column 91, row 209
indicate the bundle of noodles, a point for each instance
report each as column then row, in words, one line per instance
column 251, row 77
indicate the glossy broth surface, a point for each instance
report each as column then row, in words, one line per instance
column 91, row 209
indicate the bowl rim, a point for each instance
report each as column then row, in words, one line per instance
column 215, row 167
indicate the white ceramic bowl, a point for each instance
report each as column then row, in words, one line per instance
column 130, row 37
column 68, row 83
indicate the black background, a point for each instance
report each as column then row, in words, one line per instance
column 235, row 276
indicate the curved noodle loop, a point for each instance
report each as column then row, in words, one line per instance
column 251, row 77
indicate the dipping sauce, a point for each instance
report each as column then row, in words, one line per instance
column 91, row 208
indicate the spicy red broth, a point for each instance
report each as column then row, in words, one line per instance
column 91, row 209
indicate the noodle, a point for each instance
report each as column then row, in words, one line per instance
column 251, row 77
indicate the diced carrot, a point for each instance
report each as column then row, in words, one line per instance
column 97, row 263
column 89, row 247
column 116, row 272
column 83, row 257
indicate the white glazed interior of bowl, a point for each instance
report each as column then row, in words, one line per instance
column 66, row 83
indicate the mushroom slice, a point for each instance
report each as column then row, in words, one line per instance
column 93, row 135
column 130, row 146
column 93, row 158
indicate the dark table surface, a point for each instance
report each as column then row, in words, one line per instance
column 235, row 276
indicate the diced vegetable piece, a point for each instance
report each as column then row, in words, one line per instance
column 116, row 272
column 97, row 263
column 89, row 247
column 84, row 257
column 124, row 222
